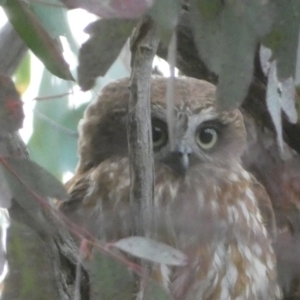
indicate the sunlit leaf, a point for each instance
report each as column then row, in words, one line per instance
column 123, row 9
column 101, row 50
column 53, row 144
column 37, row 38
column 23, row 74
column 151, row 250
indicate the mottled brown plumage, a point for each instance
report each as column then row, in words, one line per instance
column 206, row 204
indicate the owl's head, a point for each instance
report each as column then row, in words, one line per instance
column 202, row 134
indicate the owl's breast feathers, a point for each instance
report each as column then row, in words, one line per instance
column 211, row 214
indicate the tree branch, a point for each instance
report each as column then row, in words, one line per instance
column 144, row 46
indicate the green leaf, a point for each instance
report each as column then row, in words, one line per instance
column 101, row 49
column 166, row 22
column 283, row 39
column 37, row 38
column 226, row 36
column 155, row 291
column 53, row 16
column 109, row 279
column 53, row 143
column 35, row 177
column 27, row 182
column 23, row 74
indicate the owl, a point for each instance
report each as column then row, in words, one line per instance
column 205, row 203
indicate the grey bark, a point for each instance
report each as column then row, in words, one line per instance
column 144, row 46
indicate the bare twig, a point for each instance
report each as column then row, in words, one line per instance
column 144, row 46
column 170, row 89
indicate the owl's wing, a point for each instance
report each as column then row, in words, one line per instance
column 77, row 188
column 99, row 200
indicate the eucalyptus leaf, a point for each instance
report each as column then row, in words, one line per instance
column 283, row 39
column 23, row 74
column 52, row 15
column 151, row 250
column 154, row 291
column 28, row 26
column 28, row 183
column 166, row 22
column 226, row 35
column 107, row 37
column 109, row 279
column 273, row 102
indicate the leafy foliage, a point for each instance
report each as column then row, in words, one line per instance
column 101, row 50
column 37, row 38
column 227, row 35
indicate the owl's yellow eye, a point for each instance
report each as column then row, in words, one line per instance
column 206, row 137
column 159, row 133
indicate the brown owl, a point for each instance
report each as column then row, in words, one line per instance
column 206, row 204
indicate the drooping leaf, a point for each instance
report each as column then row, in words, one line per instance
column 226, row 35
column 109, row 279
column 123, row 9
column 29, row 183
column 35, row 177
column 151, row 250
column 28, row 26
column 52, row 15
column 283, row 39
column 273, row 102
column 101, row 50
column 280, row 96
column 165, row 14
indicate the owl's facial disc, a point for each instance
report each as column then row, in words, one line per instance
column 194, row 144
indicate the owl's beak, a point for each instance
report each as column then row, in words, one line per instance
column 183, row 154
column 179, row 159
